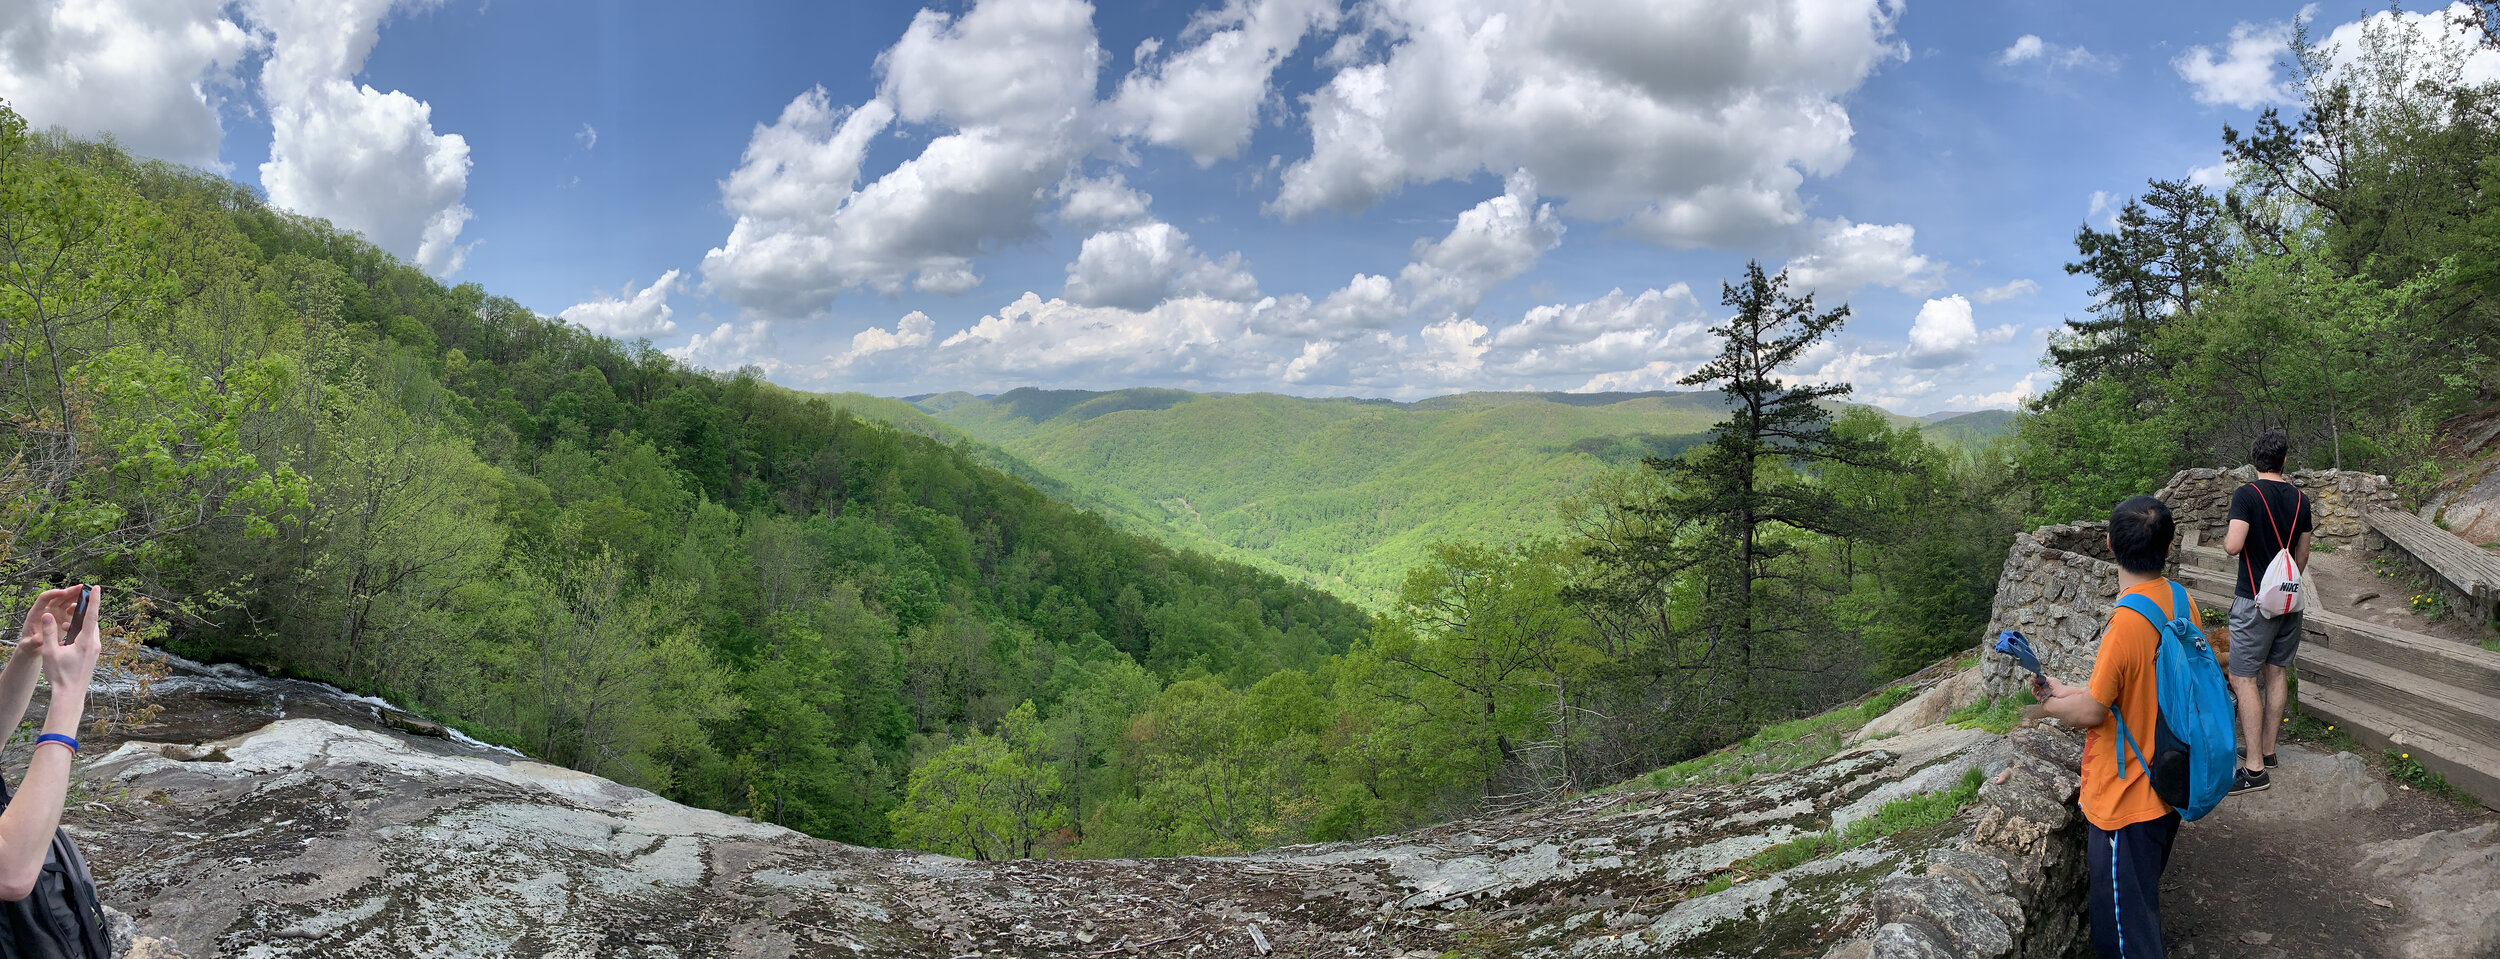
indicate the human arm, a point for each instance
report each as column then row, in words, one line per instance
column 2237, row 538
column 26, row 827
column 17, row 679
column 2242, row 512
column 2072, row 705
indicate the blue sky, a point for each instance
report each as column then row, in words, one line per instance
column 1386, row 197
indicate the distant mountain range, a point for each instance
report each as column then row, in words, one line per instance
column 1345, row 493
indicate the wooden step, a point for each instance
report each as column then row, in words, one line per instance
column 2472, row 570
column 2205, row 557
column 2471, row 668
column 2471, row 766
column 2433, row 705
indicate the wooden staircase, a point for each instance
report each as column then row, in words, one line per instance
column 2435, row 698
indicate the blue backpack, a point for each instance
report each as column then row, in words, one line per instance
column 2196, row 736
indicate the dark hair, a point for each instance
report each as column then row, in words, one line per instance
column 2267, row 452
column 2139, row 534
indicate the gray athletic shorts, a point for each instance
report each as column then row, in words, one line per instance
column 2256, row 640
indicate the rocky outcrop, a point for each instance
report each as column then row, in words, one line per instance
column 2008, row 883
column 339, row 836
column 2200, row 500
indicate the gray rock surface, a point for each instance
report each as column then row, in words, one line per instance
column 314, row 837
column 1927, row 708
column 2451, row 882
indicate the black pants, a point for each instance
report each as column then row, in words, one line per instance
column 2126, row 866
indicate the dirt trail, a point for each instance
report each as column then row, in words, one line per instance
column 2335, row 862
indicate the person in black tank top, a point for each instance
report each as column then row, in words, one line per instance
column 2268, row 517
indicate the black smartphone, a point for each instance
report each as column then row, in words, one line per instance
column 78, row 615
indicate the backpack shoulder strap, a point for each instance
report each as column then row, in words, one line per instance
column 2267, row 504
column 2144, row 606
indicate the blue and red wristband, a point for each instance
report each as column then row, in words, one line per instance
column 58, row 738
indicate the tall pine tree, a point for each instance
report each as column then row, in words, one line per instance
column 1742, row 522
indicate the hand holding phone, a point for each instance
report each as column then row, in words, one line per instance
column 78, row 615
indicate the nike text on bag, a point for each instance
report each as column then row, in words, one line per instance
column 61, row 918
column 2195, row 746
column 2279, row 593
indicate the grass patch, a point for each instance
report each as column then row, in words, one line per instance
column 2310, row 729
column 1778, row 747
column 1915, row 812
column 2403, row 768
column 1921, row 811
column 1996, row 714
column 1966, row 662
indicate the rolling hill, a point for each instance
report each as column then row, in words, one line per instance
column 1344, row 493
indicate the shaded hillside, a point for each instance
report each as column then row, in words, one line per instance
column 1969, row 431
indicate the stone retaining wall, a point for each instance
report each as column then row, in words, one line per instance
column 2056, row 589
column 2200, row 500
column 2011, row 884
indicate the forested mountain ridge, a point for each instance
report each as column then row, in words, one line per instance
column 319, row 460
column 1345, row 493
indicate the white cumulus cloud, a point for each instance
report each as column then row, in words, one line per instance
column 1944, row 334
column 139, row 70
column 731, row 346
column 2242, row 73
column 1206, row 99
column 1100, row 201
column 1140, row 266
column 910, row 332
column 1013, row 80
column 629, row 314
column 1491, row 243
column 1693, row 124
column 1846, row 256
column 2010, row 397
column 365, row 159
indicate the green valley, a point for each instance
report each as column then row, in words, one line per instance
column 1344, row 493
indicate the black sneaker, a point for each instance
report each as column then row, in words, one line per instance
column 2248, row 782
column 2270, row 761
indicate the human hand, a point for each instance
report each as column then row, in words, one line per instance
column 39, row 631
column 69, row 666
column 2054, row 689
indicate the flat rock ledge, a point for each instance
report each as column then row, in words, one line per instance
column 311, row 838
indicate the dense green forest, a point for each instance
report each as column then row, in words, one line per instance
column 318, row 460
column 321, row 461
column 1347, row 494
column 2343, row 289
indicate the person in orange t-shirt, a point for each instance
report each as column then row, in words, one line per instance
column 2130, row 828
